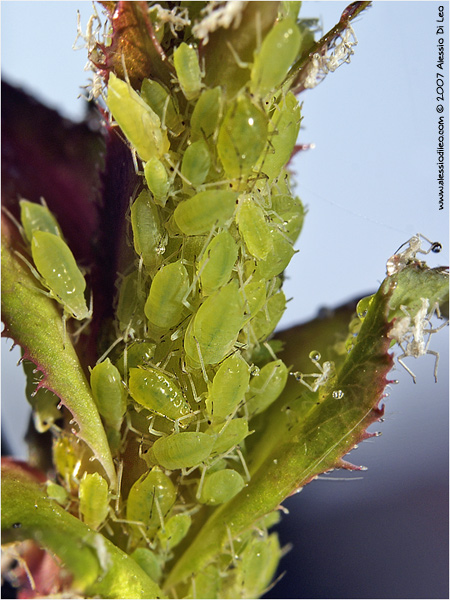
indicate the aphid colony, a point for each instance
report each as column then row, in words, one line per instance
column 213, row 227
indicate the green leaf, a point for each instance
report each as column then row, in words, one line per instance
column 304, row 434
column 34, row 321
column 99, row 568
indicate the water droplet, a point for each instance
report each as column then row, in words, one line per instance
column 314, row 355
column 338, row 394
column 363, row 306
column 436, row 247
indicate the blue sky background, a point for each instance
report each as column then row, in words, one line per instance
column 369, row 184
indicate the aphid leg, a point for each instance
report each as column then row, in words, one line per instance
column 400, row 361
column 202, row 364
column 204, row 468
column 243, row 462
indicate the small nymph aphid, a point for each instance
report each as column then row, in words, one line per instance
column 410, row 334
column 94, row 499
column 242, row 137
column 164, row 307
column 228, row 388
column 220, row 486
column 199, row 214
column 277, row 53
column 215, row 327
column 217, row 262
column 400, row 260
column 150, row 499
column 266, row 386
column 181, row 450
column 189, row 75
column 148, row 232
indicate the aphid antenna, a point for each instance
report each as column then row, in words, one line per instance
column 109, row 349
column 269, row 349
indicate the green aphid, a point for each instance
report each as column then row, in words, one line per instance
column 148, row 233
column 140, row 124
column 94, row 499
column 157, row 180
column 196, row 163
column 254, row 228
column 175, row 530
column 242, row 137
column 266, row 386
column 181, row 450
column 155, row 391
column 217, row 262
column 220, row 487
column 57, row 266
column 228, row 388
column 163, row 104
column 109, row 393
column 138, row 353
column 164, row 307
column 150, row 500
column 207, row 114
column 189, row 75
column 265, row 321
column 130, row 304
column 228, row 434
column 277, row 53
column 205, row 210
column 215, row 327
column 284, row 126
